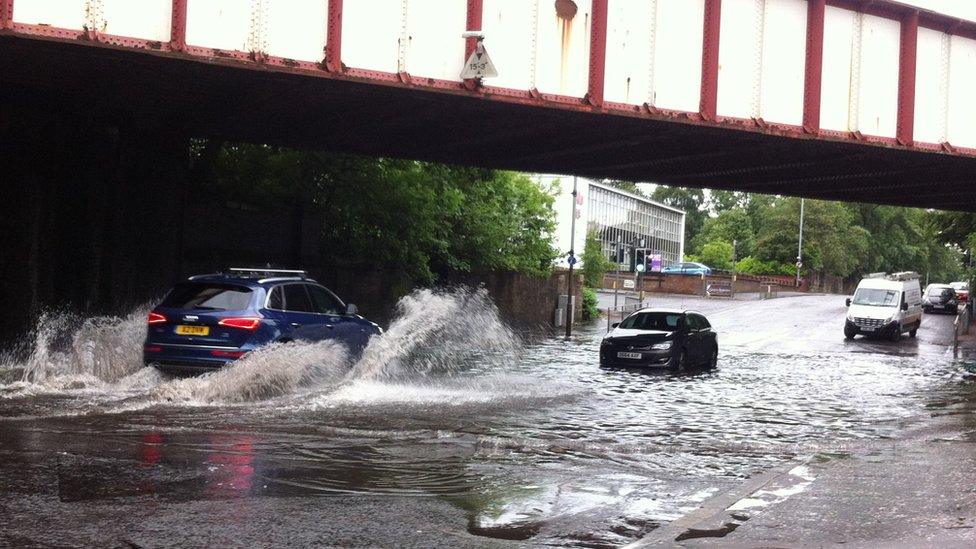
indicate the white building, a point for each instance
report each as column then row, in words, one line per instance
column 642, row 226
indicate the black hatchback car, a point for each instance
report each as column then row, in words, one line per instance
column 661, row 338
column 940, row 297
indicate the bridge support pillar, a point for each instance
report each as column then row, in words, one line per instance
column 92, row 215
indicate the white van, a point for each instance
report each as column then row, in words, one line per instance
column 885, row 305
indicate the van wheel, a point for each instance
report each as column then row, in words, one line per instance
column 895, row 335
column 849, row 332
column 913, row 332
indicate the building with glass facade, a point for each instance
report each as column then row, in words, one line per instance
column 640, row 227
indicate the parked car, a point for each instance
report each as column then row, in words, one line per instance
column 885, row 305
column 962, row 291
column 661, row 338
column 687, row 268
column 209, row 321
column 940, row 297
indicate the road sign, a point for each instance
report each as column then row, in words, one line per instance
column 629, row 284
column 479, row 65
column 571, row 260
column 656, row 262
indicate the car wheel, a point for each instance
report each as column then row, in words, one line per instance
column 849, row 332
column 683, row 361
column 895, row 334
column 913, row 333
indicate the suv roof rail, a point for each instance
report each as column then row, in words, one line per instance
column 263, row 271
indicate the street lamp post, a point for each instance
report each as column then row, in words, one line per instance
column 616, row 280
column 799, row 248
column 571, row 261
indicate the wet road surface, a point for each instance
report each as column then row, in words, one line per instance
column 450, row 431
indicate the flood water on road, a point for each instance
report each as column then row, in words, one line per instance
column 450, row 430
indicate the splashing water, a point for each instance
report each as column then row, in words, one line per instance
column 446, row 346
column 273, row 371
column 439, row 332
column 70, row 352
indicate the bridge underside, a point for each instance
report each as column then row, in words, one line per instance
column 222, row 98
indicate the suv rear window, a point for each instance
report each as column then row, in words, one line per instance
column 208, row 296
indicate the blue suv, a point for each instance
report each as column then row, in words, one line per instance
column 211, row 320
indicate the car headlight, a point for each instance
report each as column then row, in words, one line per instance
column 662, row 346
column 605, row 342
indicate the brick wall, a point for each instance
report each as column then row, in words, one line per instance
column 694, row 285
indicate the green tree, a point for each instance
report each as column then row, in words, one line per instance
column 733, row 225
column 692, row 201
column 595, row 264
column 426, row 220
column 832, row 242
column 722, row 200
column 717, row 255
column 627, row 186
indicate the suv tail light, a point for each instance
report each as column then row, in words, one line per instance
column 244, row 323
column 156, row 318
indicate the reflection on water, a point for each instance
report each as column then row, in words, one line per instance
column 531, row 440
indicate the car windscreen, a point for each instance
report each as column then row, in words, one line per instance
column 652, row 321
column 876, row 297
column 938, row 291
column 208, row 296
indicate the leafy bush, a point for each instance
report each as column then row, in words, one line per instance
column 595, row 264
column 590, row 309
column 752, row 266
column 717, row 255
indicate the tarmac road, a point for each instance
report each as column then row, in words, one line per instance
column 462, row 441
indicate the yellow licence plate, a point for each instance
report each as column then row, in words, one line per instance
column 193, row 330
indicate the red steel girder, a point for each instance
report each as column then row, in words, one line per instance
column 907, row 60
column 813, row 75
column 598, row 52
column 476, row 10
column 6, row 14
column 708, row 107
column 333, row 46
column 177, row 34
